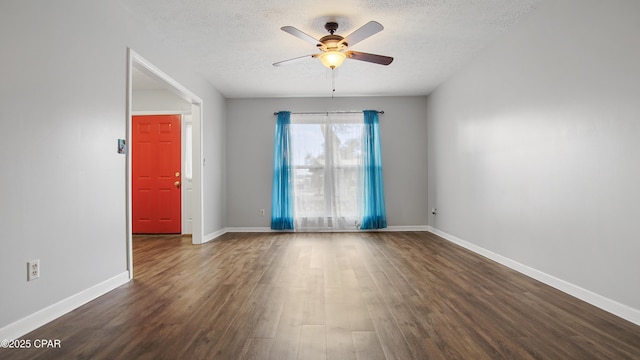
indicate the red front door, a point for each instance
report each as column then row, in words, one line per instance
column 155, row 154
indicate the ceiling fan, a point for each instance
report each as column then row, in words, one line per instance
column 334, row 47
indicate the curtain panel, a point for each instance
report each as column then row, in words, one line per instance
column 282, row 191
column 374, row 214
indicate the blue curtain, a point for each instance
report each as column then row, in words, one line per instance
column 373, row 208
column 282, row 192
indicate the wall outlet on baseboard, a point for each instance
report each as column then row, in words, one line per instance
column 33, row 269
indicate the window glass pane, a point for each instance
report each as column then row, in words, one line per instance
column 307, row 144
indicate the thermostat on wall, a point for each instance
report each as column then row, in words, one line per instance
column 122, row 146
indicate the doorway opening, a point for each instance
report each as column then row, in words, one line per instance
column 139, row 65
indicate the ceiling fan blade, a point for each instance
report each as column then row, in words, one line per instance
column 366, row 30
column 294, row 60
column 299, row 34
column 372, row 58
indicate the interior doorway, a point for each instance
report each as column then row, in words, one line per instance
column 137, row 64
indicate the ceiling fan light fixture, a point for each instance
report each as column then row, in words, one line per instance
column 332, row 59
column 333, row 47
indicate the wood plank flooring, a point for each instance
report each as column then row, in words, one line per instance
column 364, row 296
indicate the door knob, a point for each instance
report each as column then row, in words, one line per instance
column 177, row 184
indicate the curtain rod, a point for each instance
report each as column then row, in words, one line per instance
column 328, row 112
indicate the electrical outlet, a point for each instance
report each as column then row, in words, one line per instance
column 33, row 269
column 261, row 212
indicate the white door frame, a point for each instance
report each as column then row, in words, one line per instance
column 134, row 59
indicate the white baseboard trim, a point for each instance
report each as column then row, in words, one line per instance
column 407, row 228
column 606, row 304
column 249, row 229
column 390, row 228
column 213, row 235
column 31, row 322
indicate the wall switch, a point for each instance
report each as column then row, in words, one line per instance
column 261, row 212
column 33, row 269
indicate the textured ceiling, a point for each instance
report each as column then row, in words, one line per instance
column 234, row 43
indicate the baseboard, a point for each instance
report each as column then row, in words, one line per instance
column 407, row 228
column 213, row 235
column 50, row 313
column 216, row 234
column 249, row 229
column 390, row 228
column 606, row 304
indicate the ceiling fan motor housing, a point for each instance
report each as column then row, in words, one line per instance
column 332, row 42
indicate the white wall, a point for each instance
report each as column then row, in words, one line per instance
column 62, row 109
column 250, row 132
column 534, row 150
column 214, row 167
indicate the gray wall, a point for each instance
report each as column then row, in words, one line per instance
column 250, row 131
column 62, row 108
column 534, row 147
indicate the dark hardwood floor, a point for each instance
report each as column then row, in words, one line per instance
column 392, row 295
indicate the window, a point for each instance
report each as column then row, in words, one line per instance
column 326, row 159
column 327, row 172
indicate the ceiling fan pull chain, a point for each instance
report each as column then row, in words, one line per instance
column 333, row 82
